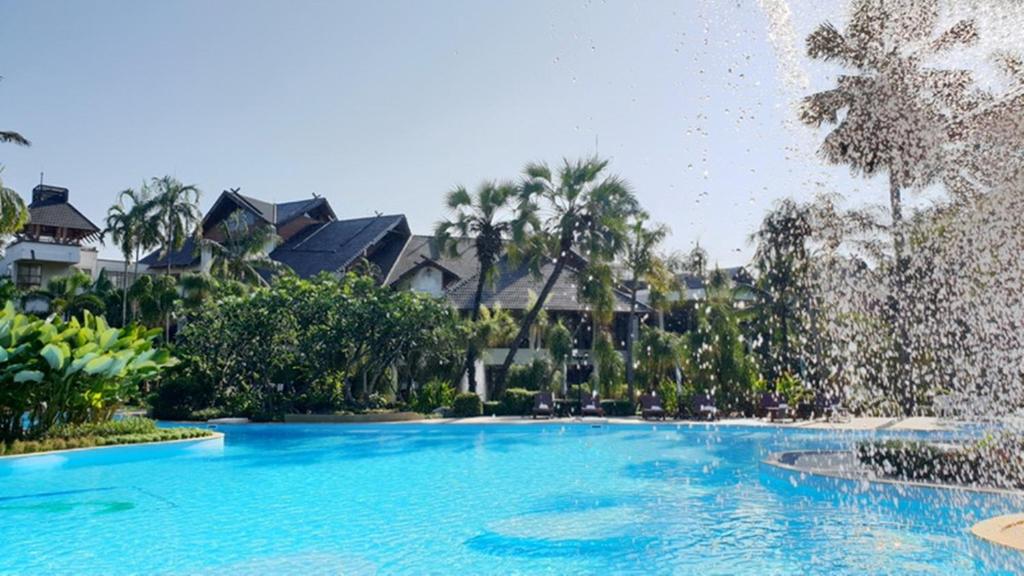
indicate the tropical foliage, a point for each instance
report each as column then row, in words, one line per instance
column 316, row 345
column 55, row 372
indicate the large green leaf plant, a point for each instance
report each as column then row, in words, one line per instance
column 53, row 372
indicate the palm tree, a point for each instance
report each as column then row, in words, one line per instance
column 70, row 295
column 782, row 258
column 242, row 252
column 156, row 296
column 643, row 265
column 484, row 217
column 13, row 213
column 585, row 211
column 897, row 111
column 133, row 228
column 176, row 209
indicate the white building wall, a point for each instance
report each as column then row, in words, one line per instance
column 429, row 281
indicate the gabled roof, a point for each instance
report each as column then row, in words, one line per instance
column 515, row 288
column 186, row 257
column 288, row 210
column 334, row 246
column 423, row 251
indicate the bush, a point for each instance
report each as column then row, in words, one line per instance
column 109, row 428
column 89, row 435
column 533, row 376
column 178, row 396
column 467, row 405
column 75, row 371
column 492, row 408
column 618, row 408
column 433, row 395
column 669, row 398
column 517, row 402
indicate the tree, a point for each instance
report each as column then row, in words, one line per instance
column 241, row 254
column 13, row 212
column 719, row 363
column 176, row 210
column 781, row 259
column 586, row 211
column 483, row 217
column 156, row 297
column 897, row 113
column 70, row 296
column 643, row 266
column 131, row 228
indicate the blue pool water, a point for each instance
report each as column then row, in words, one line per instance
column 503, row 499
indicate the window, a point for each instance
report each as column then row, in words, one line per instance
column 29, row 276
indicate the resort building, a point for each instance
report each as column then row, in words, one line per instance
column 313, row 240
column 56, row 241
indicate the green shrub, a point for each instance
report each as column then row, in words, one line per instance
column 108, row 428
column 517, row 402
column 433, row 395
column 533, row 376
column 668, row 396
column 128, row 431
column 74, row 371
column 492, row 408
column 467, row 405
column 620, row 407
column 178, row 395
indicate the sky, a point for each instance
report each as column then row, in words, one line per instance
column 383, row 106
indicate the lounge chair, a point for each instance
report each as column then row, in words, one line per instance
column 650, row 407
column 704, row 407
column 543, row 405
column 774, row 406
column 591, row 406
column 829, row 407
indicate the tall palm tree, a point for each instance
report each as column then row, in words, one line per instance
column 643, row 266
column 585, row 211
column 176, row 209
column 133, row 229
column 484, row 217
column 241, row 253
column 897, row 112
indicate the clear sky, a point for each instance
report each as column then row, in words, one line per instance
column 385, row 105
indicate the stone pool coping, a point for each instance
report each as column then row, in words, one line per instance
column 214, row 435
column 843, row 465
column 921, row 424
column 916, row 424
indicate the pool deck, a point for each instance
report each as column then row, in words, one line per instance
column 923, row 424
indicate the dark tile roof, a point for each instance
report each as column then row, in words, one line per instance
column 515, row 289
column 184, row 258
column 288, row 210
column 262, row 209
column 424, row 250
column 336, row 245
column 54, row 211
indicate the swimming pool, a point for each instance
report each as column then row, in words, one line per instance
column 494, row 499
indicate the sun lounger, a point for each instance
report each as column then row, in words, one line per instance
column 704, row 407
column 650, row 407
column 591, row 406
column 774, row 406
column 543, row 405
